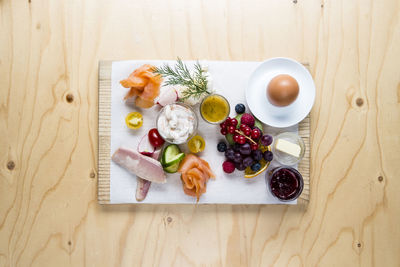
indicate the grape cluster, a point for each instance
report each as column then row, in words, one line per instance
column 246, row 148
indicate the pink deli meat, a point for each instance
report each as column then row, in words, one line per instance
column 145, row 167
column 142, row 185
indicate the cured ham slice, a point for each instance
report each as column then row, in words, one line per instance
column 145, row 167
column 142, row 188
column 195, row 173
column 142, row 185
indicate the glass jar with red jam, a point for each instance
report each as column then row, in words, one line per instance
column 285, row 183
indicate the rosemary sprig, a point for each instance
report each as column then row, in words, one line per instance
column 195, row 83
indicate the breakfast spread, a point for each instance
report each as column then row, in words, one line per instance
column 179, row 92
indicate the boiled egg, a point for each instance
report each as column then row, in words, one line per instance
column 282, row 90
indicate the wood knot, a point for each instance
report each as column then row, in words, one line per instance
column 11, row 165
column 294, row 1
column 92, row 175
column 380, row 178
column 69, row 243
column 359, row 102
column 69, row 98
column 322, row 5
column 359, row 245
column 169, row 219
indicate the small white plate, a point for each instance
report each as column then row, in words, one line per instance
column 256, row 95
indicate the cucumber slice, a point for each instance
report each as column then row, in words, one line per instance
column 173, row 168
column 171, row 158
column 175, row 160
column 170, row 152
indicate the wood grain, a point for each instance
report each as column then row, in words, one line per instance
column 104, row 122
column 49, row 215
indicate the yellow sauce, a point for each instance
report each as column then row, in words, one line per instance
column 214, row 108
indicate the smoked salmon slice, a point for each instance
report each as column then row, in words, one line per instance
column 195, row 173
column 144, row 84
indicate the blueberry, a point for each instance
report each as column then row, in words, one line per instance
column 256, row 167
column 221, row 147
column 240, row 108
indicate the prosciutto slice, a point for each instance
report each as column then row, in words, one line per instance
column 142, row 185
column 144, row 167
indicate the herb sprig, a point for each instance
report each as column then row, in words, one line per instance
column 195, row 82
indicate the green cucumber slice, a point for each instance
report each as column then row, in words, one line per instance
column 178, row 158
column 173, row 168
column 170, row 152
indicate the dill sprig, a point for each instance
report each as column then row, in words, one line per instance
column 195, row 83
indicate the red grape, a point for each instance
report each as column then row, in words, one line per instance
column 155, row 138
column 235, row 137
column 254, row 146
column 223, row 125
column 224, row 131
column 231, row 129
column 234, row 122
column 247, row 131
column 241, row 139
column 255, row 133
column 228, row 121
column 242, row 127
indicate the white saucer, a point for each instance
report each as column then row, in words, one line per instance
column 256, row 96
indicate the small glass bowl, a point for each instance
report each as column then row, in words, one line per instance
column 284, row 158
column 216, row 122
column 173, row 141
column 270, row 175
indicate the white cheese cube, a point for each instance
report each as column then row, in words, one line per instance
column 288, row 147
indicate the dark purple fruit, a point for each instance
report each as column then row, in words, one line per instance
column 248, row 161
column 266, row 140
column 245, row 149
column 268, row 156
column 230, row 154
column 240, row 166
column 257, row 155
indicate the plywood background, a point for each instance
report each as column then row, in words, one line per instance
column 49, row 53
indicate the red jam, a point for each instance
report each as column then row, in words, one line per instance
column 286, row 183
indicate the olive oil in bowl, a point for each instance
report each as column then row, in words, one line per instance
column 214, row 109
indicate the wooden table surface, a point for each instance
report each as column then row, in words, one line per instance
column 49, row 54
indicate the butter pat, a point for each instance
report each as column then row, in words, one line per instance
column 288, row 148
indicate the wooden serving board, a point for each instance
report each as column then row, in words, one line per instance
column 104, row 138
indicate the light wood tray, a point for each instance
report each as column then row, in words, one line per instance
column 104, row 158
